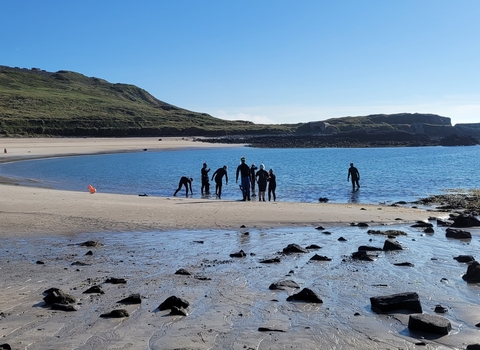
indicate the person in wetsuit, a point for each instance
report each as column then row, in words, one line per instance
column 261, row 177
column 218, row 174
column 244, row 170
column 272, row 185
column 205, row 183
column 253, row 169
column 184, row 181
column 355, row 175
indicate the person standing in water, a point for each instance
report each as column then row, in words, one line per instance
column 205, row 183
column 184, row 181
column 272, row 185
column 218, row 174
column 355, row 175
column 244, row 170
column 253, row 169
column 261, row 177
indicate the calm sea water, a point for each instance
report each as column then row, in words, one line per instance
column 303, row 175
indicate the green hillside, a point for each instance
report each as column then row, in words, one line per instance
column 39, row 103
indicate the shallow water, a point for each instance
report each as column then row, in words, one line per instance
column 303, row 175
column 227, row 309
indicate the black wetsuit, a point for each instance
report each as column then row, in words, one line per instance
column 244, row 170
column 262, row 176
column 353, row 172
column 272, row 185
column 205, row 183
column 184, row 181
column 218, row 174
column 253, row 168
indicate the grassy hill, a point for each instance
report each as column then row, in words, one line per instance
column 39, row 103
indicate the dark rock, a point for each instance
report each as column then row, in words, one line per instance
column 422, row 224
column 364, row 256
column 387, row 232
column 294, row 248
column 180, row 311
column 320, row 228
column 202, row 278
column 362, row 224
column 182, row 272
column 306, row 295
column 5, row 347
column 429, row 230
column 57, row 296
column 404, row 264
column 402, row 301
column 439, row 309
column 313, row 246
column 63, row 307
column 458, row 234
column 89, row 253
column 473, row 273
column 342, row 239
column 173, row 301
column 323, row 200
column 317, row 257
column 92, row 244
column 282, row 285
column 79, row 263
column 270, row 261
column 119, row 313
column 369, row 248
column 465, row 221
column 93, row 290
column 473, row 347
column 268, row 329
column 240, row 254
column 131, row 299
column 199, row 242
column 326, row 232
column 39, row 262
column 443, row 223
column 429, row 323
column 392, row 245
column 464, row 258
column 114, row 280
column 458, row 140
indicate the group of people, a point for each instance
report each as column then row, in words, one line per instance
column 249, row 177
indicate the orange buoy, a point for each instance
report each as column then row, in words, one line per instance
column 92, row 189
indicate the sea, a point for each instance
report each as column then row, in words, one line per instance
column 387, row 175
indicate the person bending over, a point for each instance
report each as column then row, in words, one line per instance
column 184, row 181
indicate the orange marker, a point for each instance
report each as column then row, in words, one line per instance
column 92, row 189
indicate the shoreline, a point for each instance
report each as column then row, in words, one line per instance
column 71, row 212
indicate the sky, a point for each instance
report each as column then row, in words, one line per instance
column 267, row 61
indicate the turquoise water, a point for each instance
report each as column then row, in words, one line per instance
column 303, row 175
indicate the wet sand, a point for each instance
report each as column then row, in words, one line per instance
column 146, row 239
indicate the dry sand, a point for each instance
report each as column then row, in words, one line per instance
column 225, row 312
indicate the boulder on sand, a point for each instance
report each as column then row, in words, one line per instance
column 429, row 323
column 402, row 301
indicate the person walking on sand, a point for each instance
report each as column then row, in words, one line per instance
column 205, row 184
column 272, row 185
column 355, row 175
column 261, row 177
column 218, row 174
column 244, row 170
column 253, row 169
column 184, row 181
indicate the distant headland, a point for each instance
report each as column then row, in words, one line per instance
column 37, row 103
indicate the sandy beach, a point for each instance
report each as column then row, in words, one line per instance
column 145, row 240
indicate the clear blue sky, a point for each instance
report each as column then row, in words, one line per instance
column 269, row 61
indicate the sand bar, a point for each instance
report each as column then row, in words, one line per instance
column 49, row 211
